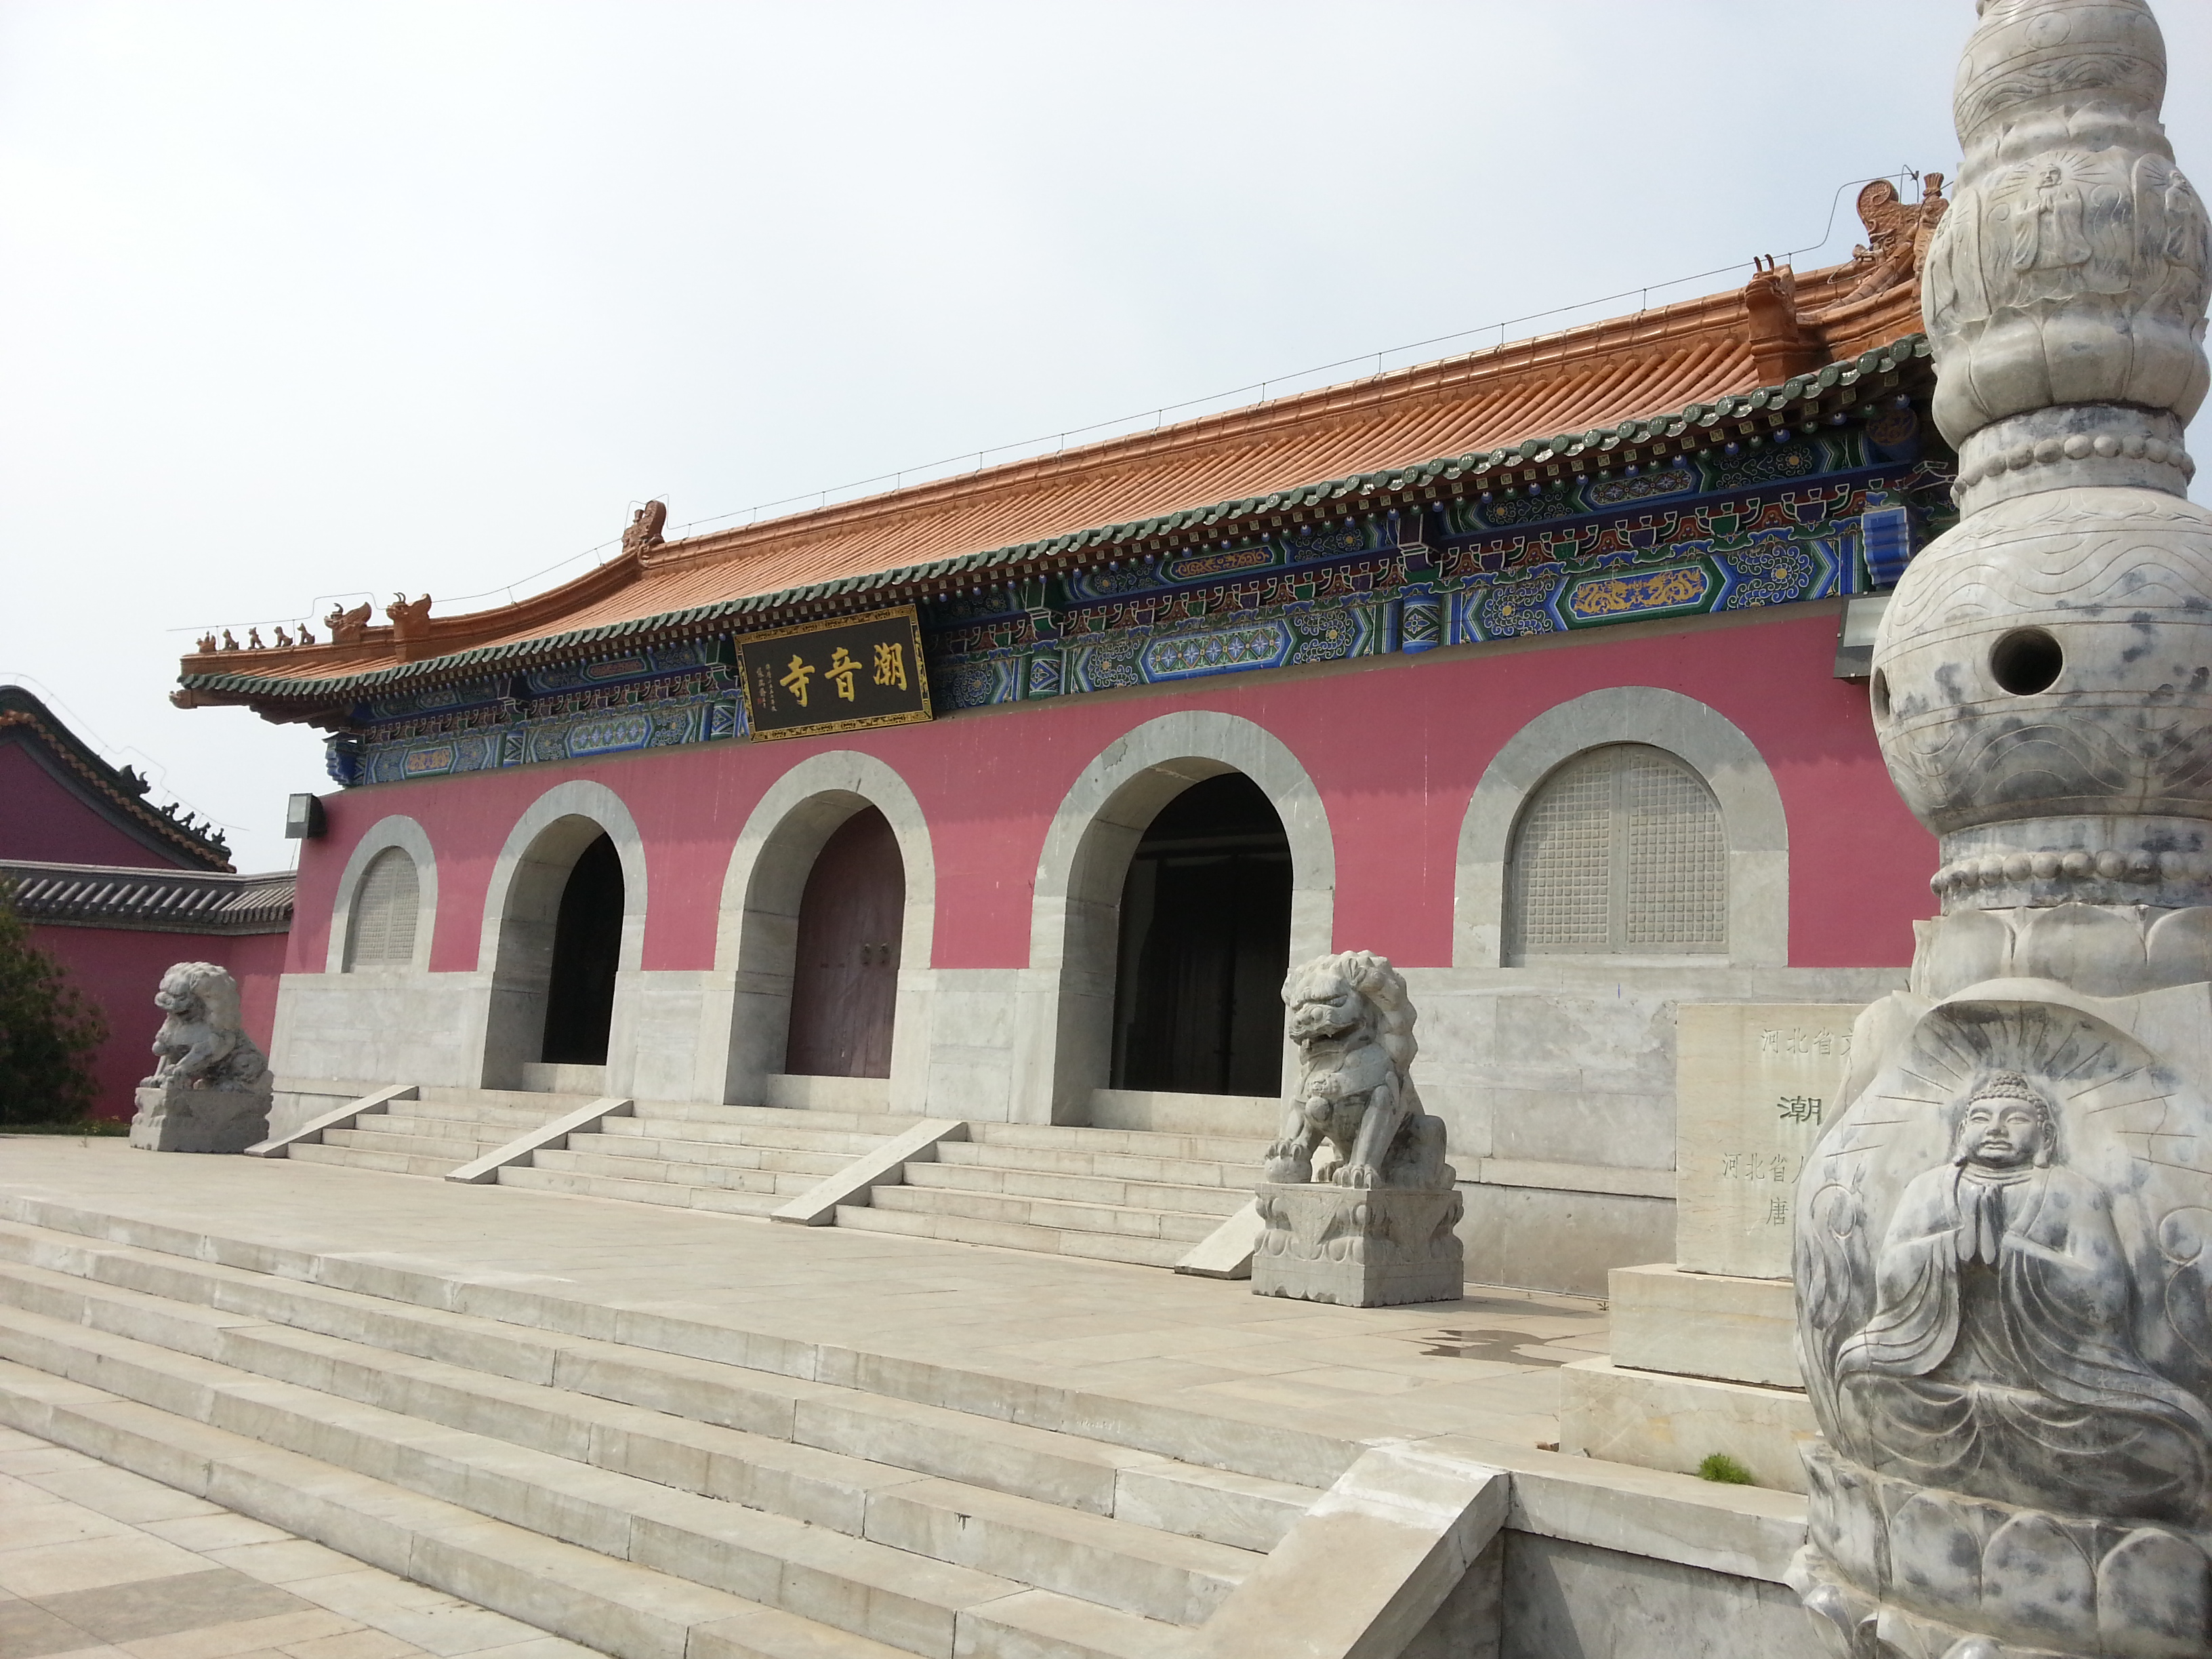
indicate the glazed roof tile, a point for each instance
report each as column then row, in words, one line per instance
column 1624, row 380
column 150, row 899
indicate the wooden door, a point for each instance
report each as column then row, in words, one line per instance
column 844, row 991
column 1206, row 942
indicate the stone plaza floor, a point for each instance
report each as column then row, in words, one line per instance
column 98, row 1563
column 1484, row 1367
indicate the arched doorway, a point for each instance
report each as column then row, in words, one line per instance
column 579, row 995
column 844, row 991
column 1205, row 942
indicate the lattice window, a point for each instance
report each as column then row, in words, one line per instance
column 382, row 934
column 1621, row 852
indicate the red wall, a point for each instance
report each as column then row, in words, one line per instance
column 42, row 820
column 119, row 970
column 1395, row 744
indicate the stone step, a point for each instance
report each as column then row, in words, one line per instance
column 882, row 1125
column 453, row 1152
column 784, row 1137
column 1056, row 1213
column 534, row 1107
column 730, row 1510
column 424, row 1127
column 1051, row 1466
column 1010, row 1235
column 356, row 1157
column 592, row 1158
column 618, row 1138
column 1216, row 1201
column 721, row 1200
column 1144, row 1143
column 624, row 1608
column 1111, row 1166
column 486, row 1110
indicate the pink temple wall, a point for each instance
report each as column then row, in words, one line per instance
column 118, row 970
column 1395, row 748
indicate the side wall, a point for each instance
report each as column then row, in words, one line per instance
column 118, row 970
column 1556, row 1080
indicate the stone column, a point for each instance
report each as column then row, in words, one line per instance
column 2003, row 1245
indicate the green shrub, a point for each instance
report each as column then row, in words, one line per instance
column 48, row 1031
column 1719, row 1465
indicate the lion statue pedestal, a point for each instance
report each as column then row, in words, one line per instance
column 211, row 1089
column 1379, row 1227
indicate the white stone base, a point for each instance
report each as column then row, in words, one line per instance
column 1655, row 1421
column 565, row 1079
column 1375, row 1247
column 798, row 1092
column 1710, row 1325
column 1159, row 1113
column 200, row 1120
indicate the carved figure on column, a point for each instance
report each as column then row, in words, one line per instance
column 1378, row 1225
column 210, row 1089
column 2004, row 1241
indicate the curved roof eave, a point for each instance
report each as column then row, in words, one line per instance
column 1878, row 361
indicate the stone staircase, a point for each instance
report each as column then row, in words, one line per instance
column 441, row 1130
column 1129, row 1195
column 739, row 1160
column 647, row 1503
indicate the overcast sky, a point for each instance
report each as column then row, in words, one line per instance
column 308, row 299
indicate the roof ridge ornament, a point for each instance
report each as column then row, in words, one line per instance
column 643, row 534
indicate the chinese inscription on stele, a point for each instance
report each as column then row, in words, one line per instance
column 1753, row 1085
column 847, row 675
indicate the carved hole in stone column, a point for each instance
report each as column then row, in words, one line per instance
column 1879, row 690
column 2025, row 661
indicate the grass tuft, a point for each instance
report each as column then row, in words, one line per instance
column 1719, row 1465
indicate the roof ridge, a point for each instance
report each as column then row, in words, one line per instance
column 1879, row 359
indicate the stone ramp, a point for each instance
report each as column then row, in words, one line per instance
column 485, row 1454
column 1133, row 1196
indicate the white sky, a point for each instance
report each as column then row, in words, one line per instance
column 306, row 300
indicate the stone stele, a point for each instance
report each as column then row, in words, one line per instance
column 2004, row 1240
column 1375, row 1225
column 211, row 1089
column 1753, row 1085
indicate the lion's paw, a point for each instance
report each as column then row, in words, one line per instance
column 1356, row 1174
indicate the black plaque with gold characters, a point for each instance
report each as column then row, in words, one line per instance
column 814, row 678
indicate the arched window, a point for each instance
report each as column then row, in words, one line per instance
column 1619, row 852
column 382, row 934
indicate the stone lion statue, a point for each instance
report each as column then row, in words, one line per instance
column 211, row 1089
column 1353, row 1026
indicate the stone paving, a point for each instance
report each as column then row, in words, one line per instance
column 1484, row 1366
column 98, row 1563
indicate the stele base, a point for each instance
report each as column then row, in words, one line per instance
column 1376, row 1246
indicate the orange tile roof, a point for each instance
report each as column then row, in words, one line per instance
column 1599, row 375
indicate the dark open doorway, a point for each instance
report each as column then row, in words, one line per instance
column 1206, row 941
column 844, row 988
column 579, row 999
